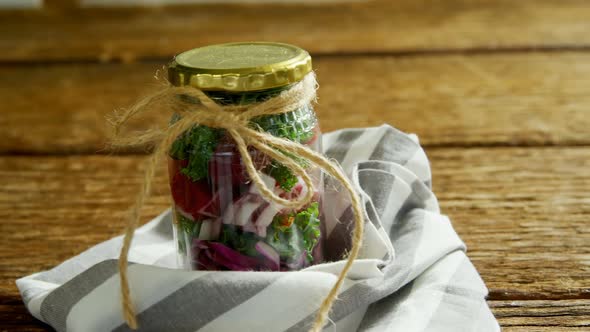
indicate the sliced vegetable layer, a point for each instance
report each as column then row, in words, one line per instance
column 222, row 221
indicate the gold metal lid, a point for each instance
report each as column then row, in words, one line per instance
column 240, row 66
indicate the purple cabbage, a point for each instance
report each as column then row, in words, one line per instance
column 270, row 254
column 209, row 255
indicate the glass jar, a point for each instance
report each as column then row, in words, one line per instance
column 221, row 222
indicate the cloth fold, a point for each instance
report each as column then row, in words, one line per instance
column 412, row 273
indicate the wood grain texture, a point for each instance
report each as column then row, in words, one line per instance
column 382, row 26
column 521, row 211
column 528, row 240
column 502, row 99
column 471, row 77
column 541, row 316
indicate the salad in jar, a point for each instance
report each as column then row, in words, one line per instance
column 221, row 221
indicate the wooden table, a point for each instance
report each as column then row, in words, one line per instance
column 498, row 91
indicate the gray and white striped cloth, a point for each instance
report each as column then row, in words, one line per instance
column 412, row 275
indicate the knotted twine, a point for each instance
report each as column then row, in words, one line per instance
column 196, row 108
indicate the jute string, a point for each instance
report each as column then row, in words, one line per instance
column 196, row 108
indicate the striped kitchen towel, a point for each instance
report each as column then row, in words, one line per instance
column 412, row 274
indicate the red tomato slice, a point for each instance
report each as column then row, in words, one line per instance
column 194, row 198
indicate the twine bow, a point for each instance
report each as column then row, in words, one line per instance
column 236, row 121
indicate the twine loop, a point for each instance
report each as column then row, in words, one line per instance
column 196, row 108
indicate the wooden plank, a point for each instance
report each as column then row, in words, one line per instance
column 501, row 99
column 15, row 317
column 523, row 214
column 61, row 5
column 540, row 316
column 380, row 26
column 521, row 211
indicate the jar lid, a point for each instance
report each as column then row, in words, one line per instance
column 240, row 66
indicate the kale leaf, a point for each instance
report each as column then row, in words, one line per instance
column 243, row 242
column 286, row 240
column 297, row 126
column 308, row 221
column 196, row 145
column 292, row 234
column 283, row 175
column 187, row 230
